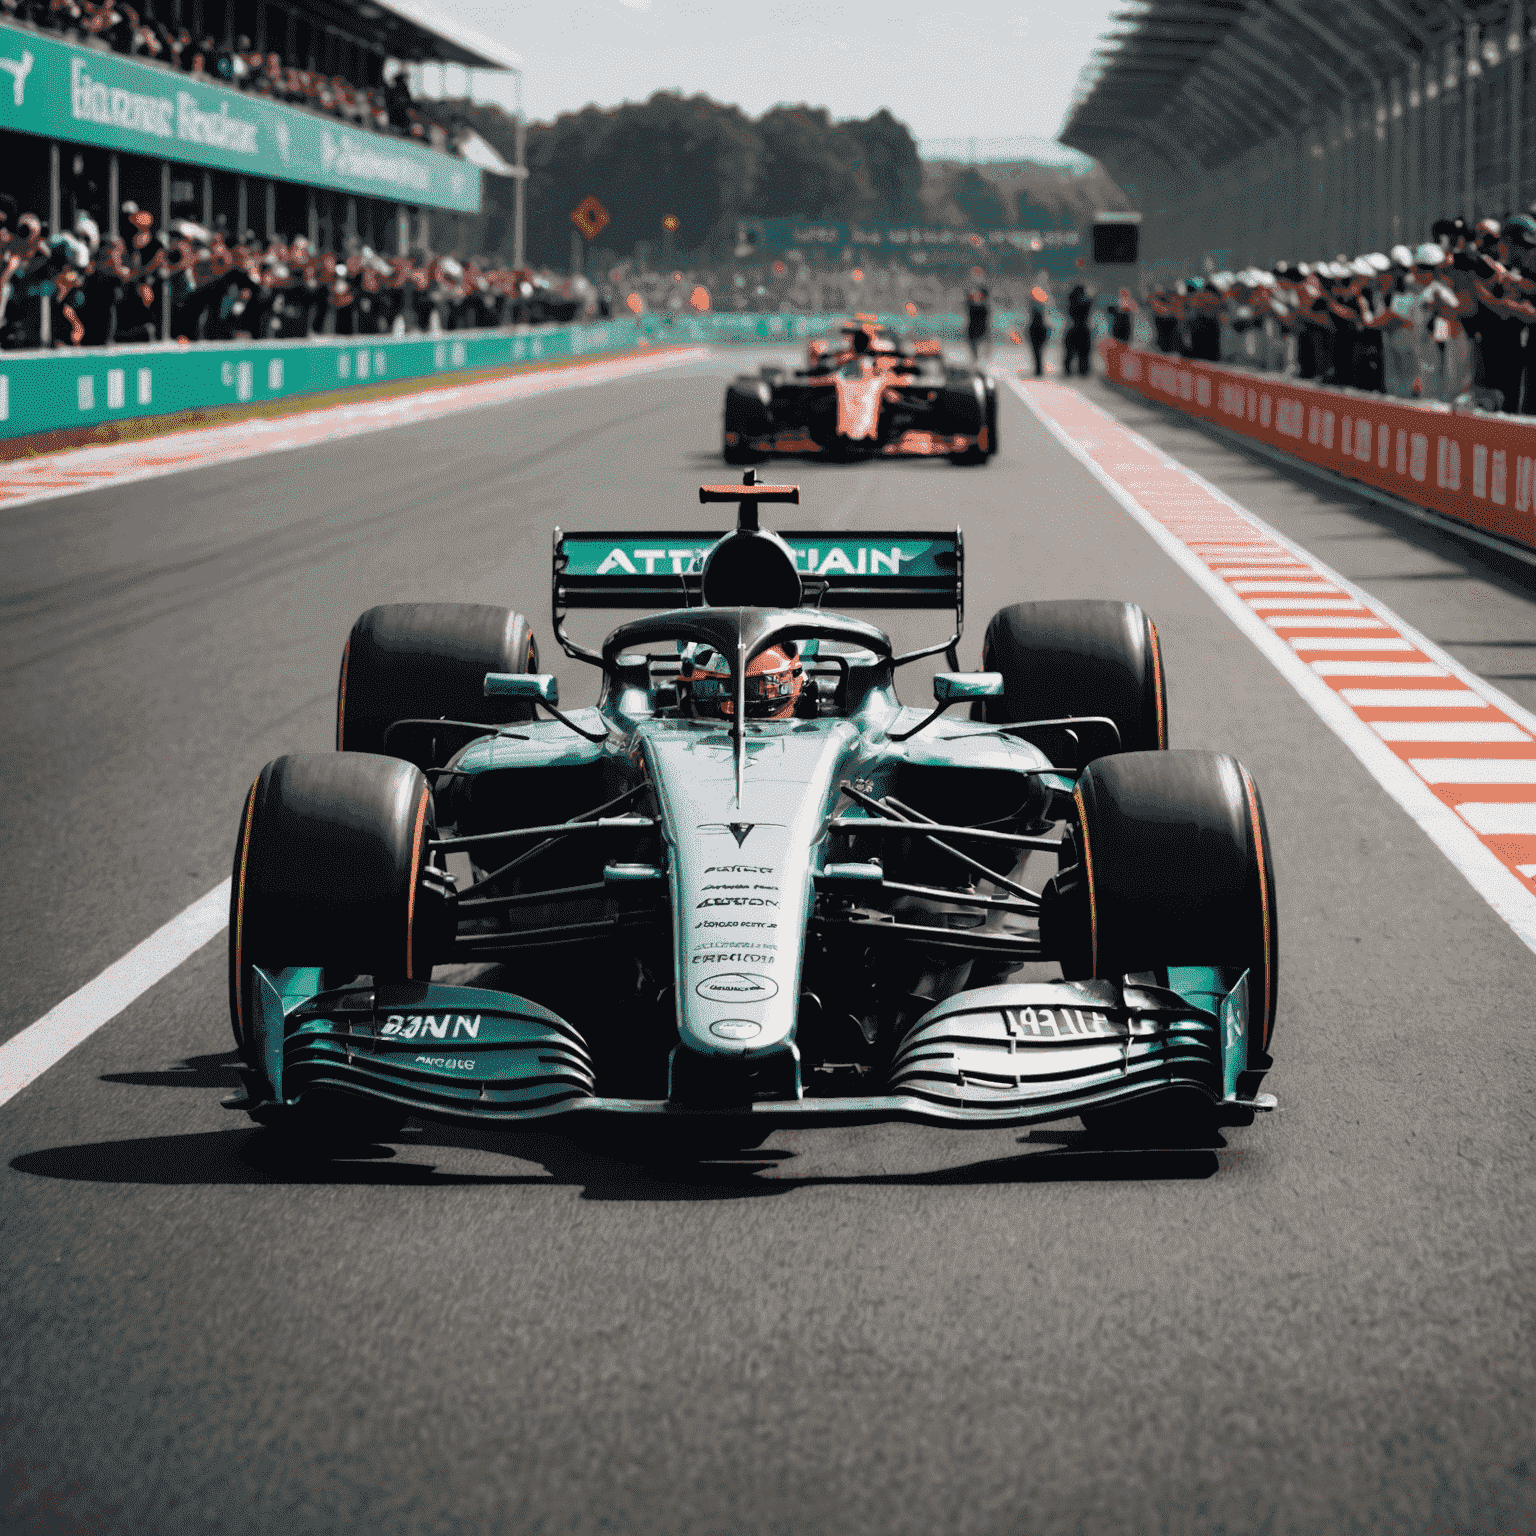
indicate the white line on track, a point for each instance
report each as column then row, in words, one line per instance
column 25, row 1057
column 1203, row 529
column 69, row 473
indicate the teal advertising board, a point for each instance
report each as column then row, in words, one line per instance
column 87, row 96
column 916, row 243
column 663, row 328
column 52, row 391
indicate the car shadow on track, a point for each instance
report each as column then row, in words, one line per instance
column 217, row 1071
column 247, row 1156
column 613, row 1160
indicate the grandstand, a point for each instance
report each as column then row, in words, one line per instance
column 1249, row 129
column 282, row 119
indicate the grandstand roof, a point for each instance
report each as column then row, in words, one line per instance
column 1183, row 86
column 416, row 32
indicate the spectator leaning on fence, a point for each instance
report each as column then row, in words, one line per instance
column 77, row 288
column 1453, row 319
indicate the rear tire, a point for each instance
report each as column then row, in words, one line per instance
column 406, row 661
column 748, row 417
column 1079, row 657
column 328, row 872
column 1173, row 869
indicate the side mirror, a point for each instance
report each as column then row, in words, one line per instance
column 955, row 687
column 952, row 688
column 539, row 686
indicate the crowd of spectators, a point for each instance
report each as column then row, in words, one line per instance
column 80, row 288
column 387, row 108
column 1453, row 319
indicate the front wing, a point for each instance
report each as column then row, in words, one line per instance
column 998, row 1056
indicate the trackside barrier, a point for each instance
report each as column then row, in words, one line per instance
column 1473, row 466
column 50, row 392
column 52, row 396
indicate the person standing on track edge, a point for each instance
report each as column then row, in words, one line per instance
column 1078, row 340
column 1039, row 334
column 978, row 321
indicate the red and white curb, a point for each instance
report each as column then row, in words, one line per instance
column 1457, row 754
column 88, row 469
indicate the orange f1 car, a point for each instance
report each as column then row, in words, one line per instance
column 864, row 393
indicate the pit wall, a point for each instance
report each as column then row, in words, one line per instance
column 1473, row 466
column 60, row 398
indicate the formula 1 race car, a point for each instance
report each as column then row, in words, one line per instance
column 869, row 394
column 749, row 888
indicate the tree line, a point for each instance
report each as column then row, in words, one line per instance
column 708, row 165
column 704, row 163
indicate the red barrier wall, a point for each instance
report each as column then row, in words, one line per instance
column 1475, row 467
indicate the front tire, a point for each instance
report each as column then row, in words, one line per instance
column 328, row 873
column 1079, row 657
column 1174, row 868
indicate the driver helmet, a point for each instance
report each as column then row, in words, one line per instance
column 774, row 681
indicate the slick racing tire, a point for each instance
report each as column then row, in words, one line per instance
column 328, row 872
column 414, row 661
column 991, row 417
column 1079, row 657
column 968, row 406
column 748, row 416
column 1172, row 867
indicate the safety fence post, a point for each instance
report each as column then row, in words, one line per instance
column 1413, row 121
column 1471, row 69
column 1515, row 50
column 1398, row 144
column 1387, row 158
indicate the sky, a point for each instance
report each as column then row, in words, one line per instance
column 983, row 69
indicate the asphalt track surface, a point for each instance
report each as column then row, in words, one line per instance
column 1324, row 1325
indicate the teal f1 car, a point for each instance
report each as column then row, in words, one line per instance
column 749, row 888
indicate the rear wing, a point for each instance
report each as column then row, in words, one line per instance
column 895, row 569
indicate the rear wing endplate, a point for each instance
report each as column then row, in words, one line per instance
column 894, row 569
